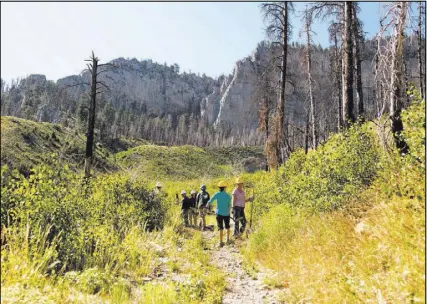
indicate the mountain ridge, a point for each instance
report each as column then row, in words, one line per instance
column 158, row 102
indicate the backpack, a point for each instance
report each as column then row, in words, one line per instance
column 202, row 199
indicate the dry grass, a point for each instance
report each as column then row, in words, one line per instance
column 334, row 259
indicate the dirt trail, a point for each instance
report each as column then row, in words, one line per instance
column 240, row 286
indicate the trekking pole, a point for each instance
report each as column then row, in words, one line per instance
column 237, row 219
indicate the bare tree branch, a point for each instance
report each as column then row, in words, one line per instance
column 103, row 84
column 77, row 84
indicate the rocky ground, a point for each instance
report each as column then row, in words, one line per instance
column 242, row 286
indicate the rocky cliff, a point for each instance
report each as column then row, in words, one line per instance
column 144, row 90
column 155, row 90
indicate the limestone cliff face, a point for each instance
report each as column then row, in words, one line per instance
column 144, row 87
column 157, row 88
column 237, row 109
column 210, row 105
column 233, row 105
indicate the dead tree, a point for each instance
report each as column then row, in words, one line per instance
column 421, row 45
column 276, row 15
column 390, row 56
column 334, row 10
column 307, row 31
column 306, row 132
column 93, row 69
column 336, row 68
column 396, row 94
column 377, row 85
column 347, row 65
column 358, row 39
column 265, row 95
column 94, row 72
column 382, row 68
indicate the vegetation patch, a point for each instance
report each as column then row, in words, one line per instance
column 369, row 247
column 186, row 162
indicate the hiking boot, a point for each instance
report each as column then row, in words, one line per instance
column 228, row 242
column 221, row 244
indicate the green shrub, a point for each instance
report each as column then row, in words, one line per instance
column 87, row 217
column 326, row 178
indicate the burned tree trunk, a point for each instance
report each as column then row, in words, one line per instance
column 357, row 37
column 265, row 95
column 281, row 104
column 396, row 93
column 421, row 12
column 336, row 10
column 91, row 123
column 377, row 84
column 310, row 81
column 278, row 29
column 347, row 75
column 306, row 133
column 90, row 136
column 337, row 79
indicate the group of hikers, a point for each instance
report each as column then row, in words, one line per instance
column 197, row 206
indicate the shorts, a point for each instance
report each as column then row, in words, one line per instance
column 221, row 219
column 203, row 211
column 194, row 211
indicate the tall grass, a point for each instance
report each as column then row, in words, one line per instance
column 333, row 259
column 128, row 272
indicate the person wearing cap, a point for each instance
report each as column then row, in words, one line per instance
column 202, row 204
column 238, row 204
column 185, row 207
column 157, row 190
column 193, row 209
column 223, row 205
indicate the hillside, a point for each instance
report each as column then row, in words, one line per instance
column 189, row 162
column 26, row 143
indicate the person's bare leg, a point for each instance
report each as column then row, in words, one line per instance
column 228, row 235
column 220, row 237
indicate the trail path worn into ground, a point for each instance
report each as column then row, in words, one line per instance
column 241, row 287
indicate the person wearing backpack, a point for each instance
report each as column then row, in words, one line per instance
column 202, row 204
column 223, row 205
column 238, row 203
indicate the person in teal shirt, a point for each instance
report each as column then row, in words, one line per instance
column 223, row 205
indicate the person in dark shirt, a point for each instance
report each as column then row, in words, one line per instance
column 193, row 209
column 202, row 204
column 186, row 203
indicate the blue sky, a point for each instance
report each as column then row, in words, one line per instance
column 54, row 38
